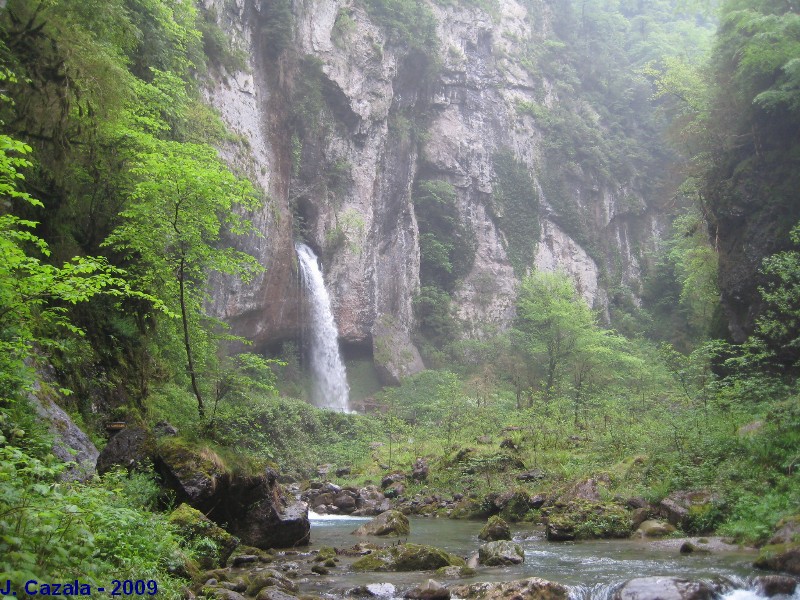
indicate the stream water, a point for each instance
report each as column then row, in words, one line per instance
column 592, row 569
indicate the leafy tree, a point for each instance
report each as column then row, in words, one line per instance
column 567, row 352
column 34, row 294
column 184, row 202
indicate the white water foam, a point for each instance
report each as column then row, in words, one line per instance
column 330, row 389
column 318, row 517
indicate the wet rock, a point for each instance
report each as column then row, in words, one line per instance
column 527, row 589
column 430, row 590
column 392, row 522
column 70, row 444
column 243, row 559
column 456, row 572
column 269, row 578
column 407, row 557
column 780, row 557
column 692, row 548
column 495, row 529
column 653, row 528
column 537, row 501
column 775, row 585
column 221, row 593
column 274, row 594
column 501, row 553
column 514, row 506
column 665, row 588
column 345, row 503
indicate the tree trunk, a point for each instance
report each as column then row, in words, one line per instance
column 186, row 341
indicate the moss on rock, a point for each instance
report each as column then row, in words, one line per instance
column 584, row 520
column 408, row 557
column 212, row 544
column 495, row 529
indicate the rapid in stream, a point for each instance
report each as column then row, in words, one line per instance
column 593, row 570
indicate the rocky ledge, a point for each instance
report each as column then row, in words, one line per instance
column 251, row 506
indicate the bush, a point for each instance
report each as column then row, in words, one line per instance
column 51, row 530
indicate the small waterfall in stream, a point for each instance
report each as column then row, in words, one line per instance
column 330, row 389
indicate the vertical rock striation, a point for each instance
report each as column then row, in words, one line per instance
column 384, row 119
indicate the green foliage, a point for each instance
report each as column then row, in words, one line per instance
column 695, row 264
column 434, row 313
column 515, row 208
column 447, row 243
column 185, row 199
column 53, row 531
column 779, row 323
column 409, row 23
column 347, row 232
column 277, row 26
column 344, row 26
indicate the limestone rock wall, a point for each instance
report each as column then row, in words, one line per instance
column 376, row 99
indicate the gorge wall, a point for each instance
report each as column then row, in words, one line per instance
column 341, row 117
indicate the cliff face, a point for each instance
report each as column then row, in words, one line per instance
column 340, row 128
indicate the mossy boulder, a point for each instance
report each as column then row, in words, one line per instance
column 455, row 572
column 501, row 553
column 693, row 511
column 408, row 557
column 389, row 523
column 780, row 557
column 653, row 528
column 469, row 508
column 194, row 473
column 269, row 578
column 213, row 545
column 516, row 506
column 584, row 520
column 495, row 529
column 783, row 551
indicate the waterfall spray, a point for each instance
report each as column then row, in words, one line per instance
column 330, row 389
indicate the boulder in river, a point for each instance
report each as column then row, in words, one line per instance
column 654, row 528
column 776, row 585
column 665, row 588
column 495, row 529
column 584, row 519
column 783, row 551
column 529, row 589
column 501, row 553
column 407, row 557
column 430, row 590
column 391, row 522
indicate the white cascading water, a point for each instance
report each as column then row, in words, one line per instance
column 330, row 389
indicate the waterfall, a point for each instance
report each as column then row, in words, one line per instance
column 330, row 388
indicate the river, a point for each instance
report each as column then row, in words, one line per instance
column 591, row 569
